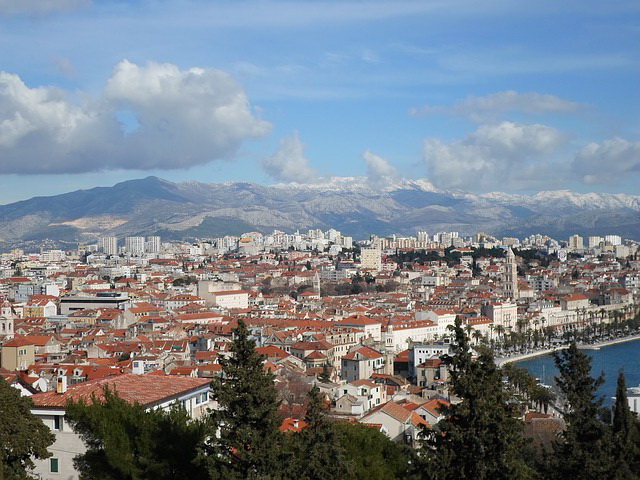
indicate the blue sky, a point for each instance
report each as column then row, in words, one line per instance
column 479, row 96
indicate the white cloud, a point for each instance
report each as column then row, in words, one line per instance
column 184, row 118
column 505, row 156
column 608, row 162
column 495, row 104
column 379, row 170
column 289, row 163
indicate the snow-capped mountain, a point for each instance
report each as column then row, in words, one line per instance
column 354, row 205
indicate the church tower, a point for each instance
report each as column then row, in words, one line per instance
column 511, row 276
column 6, row 321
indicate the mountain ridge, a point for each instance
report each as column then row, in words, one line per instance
column 354, row 205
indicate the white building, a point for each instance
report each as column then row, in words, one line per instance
column 151, row 391
column 231, row 299
column 633, row 397
column 134, row 245
column 504, row 314
column 153, row 245
column 108, row 245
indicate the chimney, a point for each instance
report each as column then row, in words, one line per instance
column 61, row 385
column 295, row 423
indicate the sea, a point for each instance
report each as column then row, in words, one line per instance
column 608, row 360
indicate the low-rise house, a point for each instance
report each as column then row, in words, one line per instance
column 357, row 398
column 151, row 391
column 400, row 424
column 17, row 354
column 361, row 364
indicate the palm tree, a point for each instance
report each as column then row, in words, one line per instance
column 500, row 330
column 542, row 397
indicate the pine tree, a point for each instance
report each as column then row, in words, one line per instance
column 585, row 449
column 245, row 441
column 23, row 436
column 480, row 437
column 626, row 435
column 316, row 449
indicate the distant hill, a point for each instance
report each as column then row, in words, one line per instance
column 152, row 206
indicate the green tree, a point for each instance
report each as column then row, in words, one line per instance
column 23, row 436
column 626, row 436
column 245, row 440
column 373, row 455
column 480, row 437
column 317, row 451
column 325, row 376
column 124, row 441
column 585, row 448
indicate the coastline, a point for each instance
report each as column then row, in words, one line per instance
column 606, row 343
column 516, row 358
column 595, row 346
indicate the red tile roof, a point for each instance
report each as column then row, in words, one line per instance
column 148, row 390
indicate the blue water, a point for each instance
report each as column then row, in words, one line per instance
column 610, row 360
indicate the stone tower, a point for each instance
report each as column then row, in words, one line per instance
column 6, row 321
column 511, row 276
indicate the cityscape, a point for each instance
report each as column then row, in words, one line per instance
column 366, row 321
column 319, row 240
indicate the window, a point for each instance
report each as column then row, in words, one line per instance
column 57, row 423
column 54, row 465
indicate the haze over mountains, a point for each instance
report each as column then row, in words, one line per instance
column 153, row 206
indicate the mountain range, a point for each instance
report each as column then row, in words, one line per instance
column 355, row 206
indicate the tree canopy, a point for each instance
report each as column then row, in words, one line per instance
column 480, row 437
column 585, row 448
column 245, row 440
column 125, row 441
column 23, row 436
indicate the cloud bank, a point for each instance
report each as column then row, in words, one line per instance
column 178, row 119
column 289, row 164
column 505, row 155
column 608, row 162
column 495, row 104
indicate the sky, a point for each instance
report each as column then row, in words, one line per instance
column 500, row 95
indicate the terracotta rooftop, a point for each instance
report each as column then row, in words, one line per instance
column 148, row 390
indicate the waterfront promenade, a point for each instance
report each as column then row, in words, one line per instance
column 545, row 351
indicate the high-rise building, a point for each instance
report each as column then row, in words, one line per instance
column 134, row 245
column 423, row 239
column 576, row 242
column 511, row 276
column 613, row 239
column 371, row 258
column 595, row 241
column 153, row 245
column 108, row 245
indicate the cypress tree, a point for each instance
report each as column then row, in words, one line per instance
column 626, row 436
column 585, row 448
column 245, row 441
column 480, row 437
